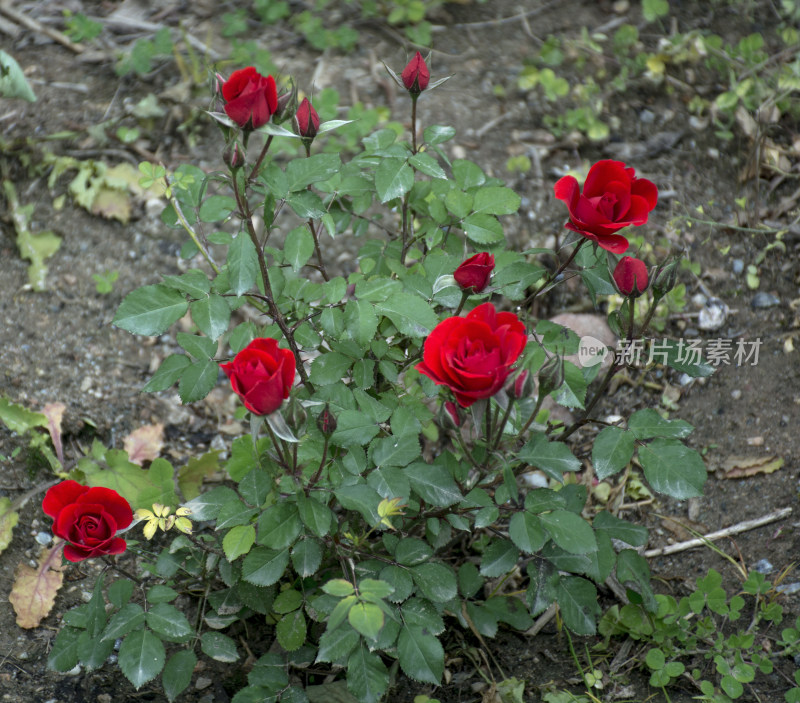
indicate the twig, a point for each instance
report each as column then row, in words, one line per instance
column 32, row 24
column 542, row 620
column 736, row 529
column 126, row 22
column 505, row 20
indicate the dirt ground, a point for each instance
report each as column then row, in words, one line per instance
column 59, row 345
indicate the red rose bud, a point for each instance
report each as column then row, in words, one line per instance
column 250, row 98
column 286, row 106
column 665, row 277
column 551, row 375
column 612, row 198
column 473, row 355
column 88, row 519
column 232, row 156
column 522, row 387
column 261, row 375
column 448, row 416
column 475, row 272
column 306, row 120
column 326, row 421
column 630, row 276
column 416, row 75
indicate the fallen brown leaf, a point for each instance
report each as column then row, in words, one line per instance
column 8, row 520
column 742, row 467
column 54, row 412
column 34, row 590
column 145, row 443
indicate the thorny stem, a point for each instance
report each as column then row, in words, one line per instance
column 127, row 574
column 191, row 231
column 464, row 296
column 552, row 277
column 503, row 421
column 488, row 426
column 275, row 312
column 406, row 229
column 585, row 414
column 278, row 448
column 317, row 248
column 414, row 124
column 260, row 158
column 316, row 476
column 539, row 401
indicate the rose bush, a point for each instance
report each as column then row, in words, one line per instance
column 630, row 276
column 473, row 355
column 475, row 272
column 88, row 519
column 250, row 98
column 612, row 198
column 261, row 375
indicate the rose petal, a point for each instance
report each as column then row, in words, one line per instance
column 61, row 495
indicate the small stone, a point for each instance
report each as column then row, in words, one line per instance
column 44, row 538
column 788, row 588
column 738, row 266
column 699, row 299
column 203, row 682
column 736, row 394
column 103, row 698
column 647, row 116
column 763, row 566
column 685, row 379
column 75, row 670
column 713, row 153
column 764, row 300
column 755, row 441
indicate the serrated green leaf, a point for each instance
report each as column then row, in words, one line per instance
column 483, row 229
column 569, row 531
column 263, row 567
column 673, row 468
column 169, row 623
column 207, row 505
column 421, row 655
column 395, row 451
column 335, row 645
column 18, row 418
column 366, row 619
column 500, row 557
column 612, row 450
column 64, row 655
column 614, row 527
column 150, row 310
column 216, row 208
column 125, row 620
column 92, row 651
column 238, row 541
column 411, row 314
column 554, row 458
column 425, row 163
column 306, row 557
column 279, row 526
column 329, row 368
column 168, row 373
column 219, row 647
column 141, row 657
column 211, row 314
column 468, row 174
column 120, row 592
column 367, row 676
column 234, row 512
column 300, row 173
column 360, row 321
column 438, row 134
column 645, row 424
column 298, row 248
column 525, row 531
column 435, row 581
column 291, row 630
column 434, row 484
column 496, row 200
column 543, row 586
column 362, row 498
column 200, row 348
column 177, row 674
column 411, row 551
column 354, row 427
column 577, row 599
column 316, row 516
column 197, row 380
column 393, row 179
column 242, row 263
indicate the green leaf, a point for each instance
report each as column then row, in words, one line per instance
column 161, row 594
column 612, row 450
column 360, row 321
column 120, row 592
column 216, row 208
column 193, row 283
column 499, row 558
column 434, row 484
column 169, row 372
column 554, row 458
column 92, row 651
column 569, row 531
column 411, row 314
column 354, row 427
column 673, row 353
column 150, row 310
column 291, row 630
column 438, row 134
column 279, row 525
column 635, row 535
column 18, row 418
column 362, row 498
column 197, row 380
column 411, row 551
column 577, row 599
column 425, row 163
column 671, row 467
column 647, row 423
column 483, row 229
column 300, row 173
column 207, row 505
column 543, row 586
column 234, row 512
column 169, row 622
column 336, row 644
column 436, row 581
column 421, row 655
column 177, row 674
column 263, row 567
column 13, row 83
column 306, row 557
column 329, row 368
column 211, row 315
column 367, row 676
column 339, row 588
column 219, row 647
column 366, row 619
column 395, row 451
column 468, row 174
column 199, row 347
column 255, row 486
column 125, row 620
column 141, row 657
column 393, row 179
column 238, row 541
column 496, row 200
column 64, row 655
column 316, row 516
column 298, row 248
column 242, row 263
column 525, row 531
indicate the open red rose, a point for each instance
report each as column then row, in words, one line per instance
column 475, row 272
column 630, row 276
column 612, row 198
column 87, row 518
column 261, row 375
column 416, row 75
column 473, row 355
column 250, row 98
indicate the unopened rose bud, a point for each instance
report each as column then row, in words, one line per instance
column 326, row 421
column 475, row 272
column 522, row 385
column 665, row 277
column 630, row 277
column 286, row 106
column 416, row 75
column 233, row 157
column 551, row 375
column 448, row 416
column 306, row 120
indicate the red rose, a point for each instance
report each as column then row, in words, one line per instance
column 612, row 198
column 416, row 75
column 250, row 98
column 261, row 375
column 306, row 120
column 630, row 275
column 473, row 355
column 475, row 272
column 87, row 518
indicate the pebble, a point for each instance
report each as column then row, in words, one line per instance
column 685, row 379
column 788, row 588
column 738, row 266
column 647, row 116
column 764, row 300
column 203, row 682
column 736, row 394
column 699, row 299
column 44, row 538
column 764, row 566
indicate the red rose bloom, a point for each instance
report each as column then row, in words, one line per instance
column 87, row 518
column 473, row 355
column 416, row 75
column 612, row 198
column 250, row 98
column 630, row 275
column 261, row 375
column 475, row 272
column 306, row 120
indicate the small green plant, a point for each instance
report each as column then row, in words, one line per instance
column 104, row 282
column 79, row 27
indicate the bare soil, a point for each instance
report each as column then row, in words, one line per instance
column 59, row 345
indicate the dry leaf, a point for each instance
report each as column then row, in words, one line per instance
column 54, row 412
column 34, row 590
column 8, row 519
column 742, row 467
column 145, row 443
